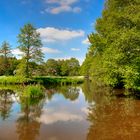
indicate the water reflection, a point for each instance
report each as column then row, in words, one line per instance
column 27, row 125
column 113, row 118
column 68, row 113
column 6, row 102
column 69, row 92
column 29, row 115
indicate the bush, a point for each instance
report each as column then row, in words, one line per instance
column 33, row 91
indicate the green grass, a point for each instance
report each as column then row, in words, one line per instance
column 14, row 80
column 60, row 80
column 7, row 80
column 33, row 91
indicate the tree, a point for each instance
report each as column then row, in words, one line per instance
column 74, row 67
column 5, row 52
column 70, row 67
column 52, row 67
column 115, row 45
column 30, row 44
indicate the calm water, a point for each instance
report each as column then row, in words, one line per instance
column 68, row 113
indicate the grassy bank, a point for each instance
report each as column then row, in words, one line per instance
column 14, row 80
column 60, row 80
column 5, row 80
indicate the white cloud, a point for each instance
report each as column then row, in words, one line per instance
column 62, row 2
column 80, row 59
column 75, row 49
column 85, row 110
column 51, row 34
column 50, row 50
column 62, row 6
column 59, row 9
column 16, row 52
column 77, row 9
column 86, row 42
column 62, row 58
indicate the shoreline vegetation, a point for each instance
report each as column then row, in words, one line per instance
column 32, row 88
column 43, row 80
column 113, row 55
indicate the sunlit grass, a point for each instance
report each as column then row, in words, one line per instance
column 13, row 80
column 33, row 91
column 5, row 80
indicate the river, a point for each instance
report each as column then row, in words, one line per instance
column 69, row 113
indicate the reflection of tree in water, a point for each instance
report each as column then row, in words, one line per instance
column 90, row 89
column 27, row 125
column 6, row 102
column 87, row 90
column 113, row 118
column 69, row 92
column 50, row 92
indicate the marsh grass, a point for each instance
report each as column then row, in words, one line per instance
column 60, row 80
column 13, row 80
column 33, row 91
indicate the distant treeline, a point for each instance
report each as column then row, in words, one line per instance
column 51, row 67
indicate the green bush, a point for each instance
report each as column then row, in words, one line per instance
column 33, row 91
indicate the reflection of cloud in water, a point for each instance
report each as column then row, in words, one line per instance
column 15, row 98
column 75, row 102
column 86, row 110
column 50, row 117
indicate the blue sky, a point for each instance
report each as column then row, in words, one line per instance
column 63, row 24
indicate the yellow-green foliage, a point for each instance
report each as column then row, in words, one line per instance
column 60, row 80
column 113, row 56
column 13, row 80
column 33, row 91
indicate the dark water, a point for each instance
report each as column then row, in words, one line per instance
column 68, row 113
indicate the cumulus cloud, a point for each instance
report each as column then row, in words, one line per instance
column 86, row 42
column 16, row 52
column 61, row 2
column 80, row 59
column 45, row 50
column 75, row 49
column 62, row 6
column 50, row 50
column 51, row 34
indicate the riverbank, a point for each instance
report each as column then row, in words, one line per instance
column 45, row 80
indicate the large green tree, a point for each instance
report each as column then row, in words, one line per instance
column 114, row 51
column 30, row 44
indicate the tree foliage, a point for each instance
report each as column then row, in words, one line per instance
column 30, row 44
column 69, row 67
column 5, row 58
column 113, row 55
